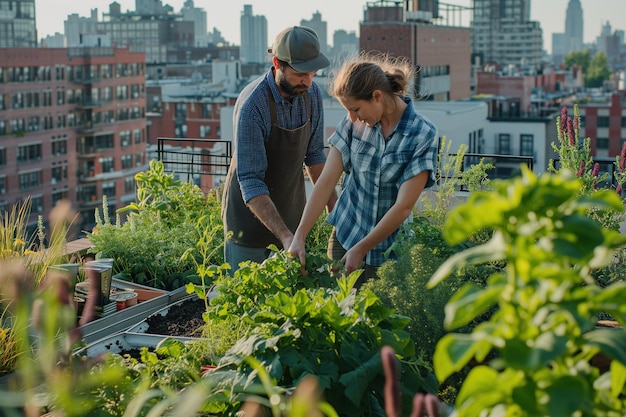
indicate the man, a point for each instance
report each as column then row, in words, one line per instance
column 278, row 126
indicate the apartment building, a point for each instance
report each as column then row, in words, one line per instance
column 72, row 126
column 442, row 53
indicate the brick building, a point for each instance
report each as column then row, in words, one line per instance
column 72, row 126
column 443, row 53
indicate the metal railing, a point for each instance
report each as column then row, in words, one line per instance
column 202, row 161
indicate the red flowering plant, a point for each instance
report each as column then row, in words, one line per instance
column 575, row 156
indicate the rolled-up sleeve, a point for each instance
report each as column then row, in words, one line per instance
column 250, row 151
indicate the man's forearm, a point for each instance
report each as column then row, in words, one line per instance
column 265, row 210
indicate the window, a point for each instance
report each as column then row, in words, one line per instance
column 59, row 147
column 526, row 145
column 3, row 157
column 58, row 196
column 125, row 138
column 108, row 189
column 30, row 180
column 137, row 135
column 127, row 161
column 59, row 173
column 129, row 185
column 504, row 144
column 603, row 121
column 37, row 204
column 107, row 164
column 3, row 185
column 29, row 153
column 603, row 143
column 623, row 121
column 205, row 131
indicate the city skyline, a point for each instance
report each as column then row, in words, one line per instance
column 344, row 15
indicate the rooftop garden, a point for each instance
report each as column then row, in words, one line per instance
column 494, row 305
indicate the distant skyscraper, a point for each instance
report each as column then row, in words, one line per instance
column 574, row 25
column 198, row 17
column 320, row 27
column 572, row 39
column 76, row 25
column 254, row 44
column 17, row 24
column 503, row 33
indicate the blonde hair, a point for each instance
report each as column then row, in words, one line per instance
column 361, row 74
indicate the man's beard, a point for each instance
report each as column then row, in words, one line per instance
column 291, row 90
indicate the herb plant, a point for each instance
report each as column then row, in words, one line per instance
column 543, row 332
column 165, row 222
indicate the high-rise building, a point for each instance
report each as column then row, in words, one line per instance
column 156, row 35
column 196, row 15
column 574, row 25
column 76, row 26
column 442, row 53
column 572, row 39
column 344, row 43
column 502, row 33
column 320, row 27
column 17, row 24
column 72, row 127
column 253, row 37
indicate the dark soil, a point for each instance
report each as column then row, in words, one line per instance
column 183, row 320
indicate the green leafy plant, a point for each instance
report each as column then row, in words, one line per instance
column 451, row 176
column 543, row 332
column 167, row 220
column 315, row 325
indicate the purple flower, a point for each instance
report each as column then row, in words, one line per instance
column 618, row 190
column 622, row 158
column 570, row 132
column 596, row 170
column 581, row 169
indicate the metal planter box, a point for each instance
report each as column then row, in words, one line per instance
column 150, row 300
column 122, row 342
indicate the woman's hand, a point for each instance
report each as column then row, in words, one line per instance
column 297, row 249
column 353, row 259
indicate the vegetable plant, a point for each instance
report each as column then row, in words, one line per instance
column 160, row 227
column 543, row 332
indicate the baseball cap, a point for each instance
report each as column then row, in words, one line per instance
column 299, row 46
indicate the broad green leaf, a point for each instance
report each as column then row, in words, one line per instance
column 358, row 380
column 569, row 395
column 470, row 302
column 618, row 378
column 483, row 389
column 453, row 352
column 612, row 342
column 490, row 251
column 170, row 346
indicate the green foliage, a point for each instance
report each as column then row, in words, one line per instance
column 169, row 218
column 450, row 178
column 595, row 69
column 305, row 325
column 421, row 249
column 575, row 157
column 578, row 58
column 547, row 302
column 599, row 71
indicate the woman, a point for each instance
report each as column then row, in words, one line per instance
column 387, row 153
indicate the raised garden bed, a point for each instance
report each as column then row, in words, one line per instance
column 183, row 318
column 149, row 300
column 122, row 342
